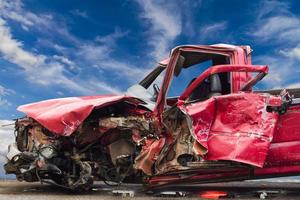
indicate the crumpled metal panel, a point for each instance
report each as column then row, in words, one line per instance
column 149, row 154
column 63, row 116
column 240, row 128
column 202, row 116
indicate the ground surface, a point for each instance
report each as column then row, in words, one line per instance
column 238, row 190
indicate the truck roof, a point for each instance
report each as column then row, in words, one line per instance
column 220, row 46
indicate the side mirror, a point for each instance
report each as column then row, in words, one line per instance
column 179, row 65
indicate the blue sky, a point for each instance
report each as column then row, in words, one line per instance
column 54, row 48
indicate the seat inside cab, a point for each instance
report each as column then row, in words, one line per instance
column 194, row 64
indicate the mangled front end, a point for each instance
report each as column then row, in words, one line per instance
column 102, row 147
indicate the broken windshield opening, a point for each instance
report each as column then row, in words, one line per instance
column 148, row 88
column 195, row 63
column 186, row 77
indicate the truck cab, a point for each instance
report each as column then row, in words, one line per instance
column 228, row 120
column 187, row 63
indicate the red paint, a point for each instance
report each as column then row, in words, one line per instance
column 149, row 154
column 283, row 153
column 201, row 177
column 242, row 130
column 223, row 68
column 235, row 53
column 63, row 116
column 289, row 170
column 212, row 194
column 202, row 115
column 234, row 127
column 288, row 127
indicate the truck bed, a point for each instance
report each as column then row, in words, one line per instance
column 294, row 92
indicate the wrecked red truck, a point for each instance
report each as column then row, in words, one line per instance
column 216, row 128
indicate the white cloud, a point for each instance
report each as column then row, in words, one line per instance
column 13, row 51
column 283, row 71
column 4, row 102
column 66, row 68
column 293, row 85
column 79, row 13
column 275, row 23
column 289, row 66
column 71, row 65
column 63, row 59
column 212, row 31
column 60, row 93
column 293, row 53
column 213, row 28
column 66, row 61
column 43, row 23
column 124, row 69
column 97, row 85
column 93, row 52
column 7, row 137
column 271, row 7
column 98, row 54
column 279, row 29
column 39, row 68
column 111, row 39
column 14, row 10
column 51, row 70
column 5, row 92
column 164, row 21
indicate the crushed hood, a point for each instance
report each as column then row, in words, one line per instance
column 63, row 116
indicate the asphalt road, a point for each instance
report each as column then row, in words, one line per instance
column 237, row 190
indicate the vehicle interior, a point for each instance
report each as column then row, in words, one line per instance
column 192, row 65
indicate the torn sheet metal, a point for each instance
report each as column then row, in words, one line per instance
column 63, row 116
column 234, row 127
column 201, row 116
column 149, row 154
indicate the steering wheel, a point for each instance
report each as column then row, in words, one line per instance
column 156, row 91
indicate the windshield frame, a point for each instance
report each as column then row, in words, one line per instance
column 152, row 76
